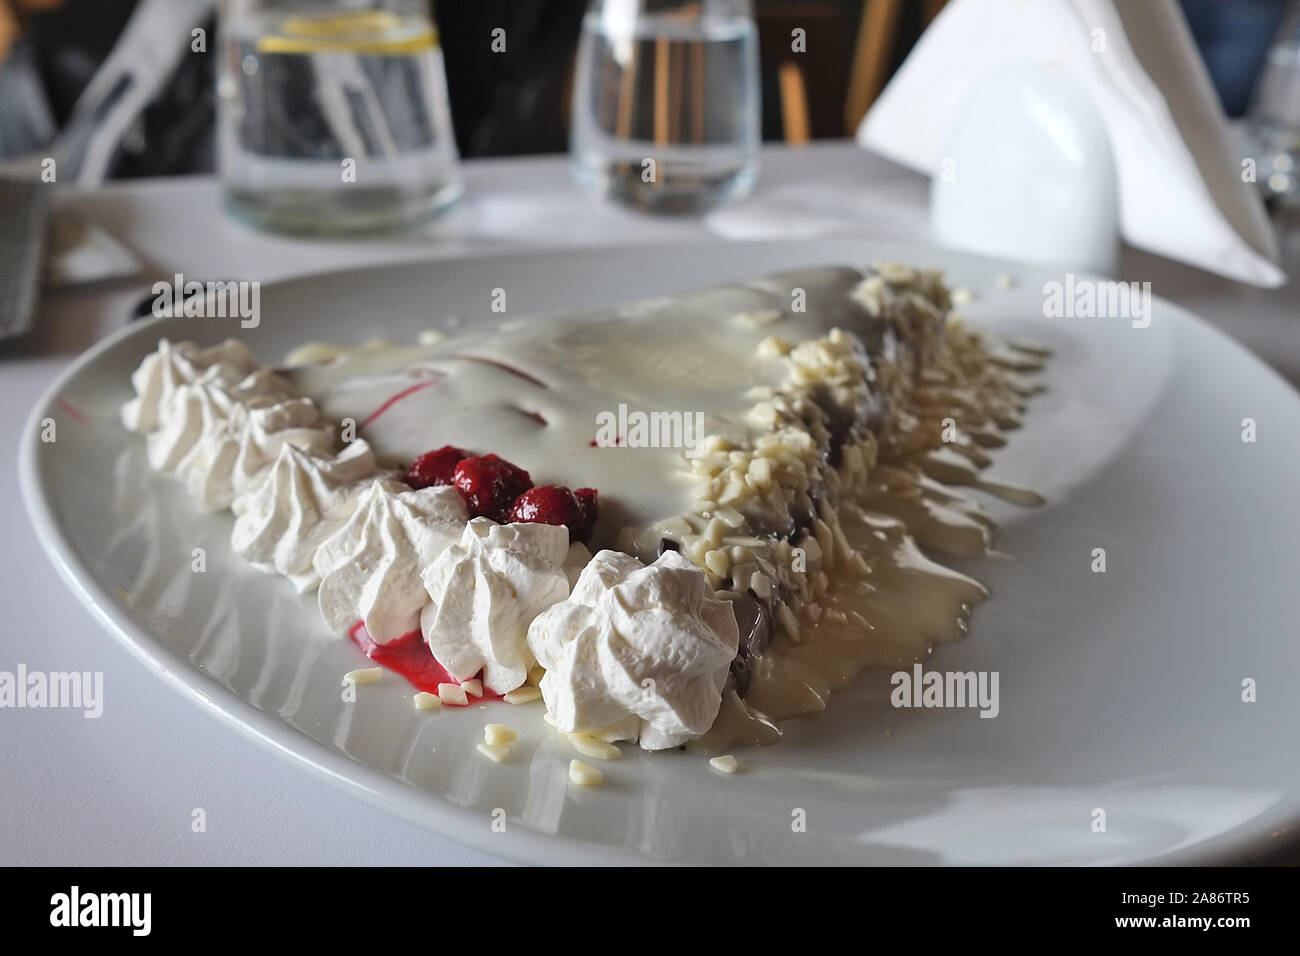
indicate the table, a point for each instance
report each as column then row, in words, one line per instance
column 120, row 790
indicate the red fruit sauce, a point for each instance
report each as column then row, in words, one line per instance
column 411, row 390
column 410, row 657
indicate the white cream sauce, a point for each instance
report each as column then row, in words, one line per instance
column 530, row 391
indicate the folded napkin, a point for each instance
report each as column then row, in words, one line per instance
column 1181, row 187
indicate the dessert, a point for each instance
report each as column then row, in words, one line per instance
column 485, row 592
column 636, row 652
column 683, row 518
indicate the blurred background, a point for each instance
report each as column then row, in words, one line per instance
column 517, row 100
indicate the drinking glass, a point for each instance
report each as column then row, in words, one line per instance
column 333, row 114
column 666, row 103
column 1272, row 127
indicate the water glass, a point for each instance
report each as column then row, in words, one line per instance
column 1272, row 127
column 333, row 115
column 666, row 103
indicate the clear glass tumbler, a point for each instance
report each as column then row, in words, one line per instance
column 666, row 103
column 1271, row 132
column 333, row 115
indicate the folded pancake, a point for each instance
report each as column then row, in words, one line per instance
column 728, row 424
column 794, row 440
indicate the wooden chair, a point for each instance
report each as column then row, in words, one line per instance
column 876, row 41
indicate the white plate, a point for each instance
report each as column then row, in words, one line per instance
column 1119, row 691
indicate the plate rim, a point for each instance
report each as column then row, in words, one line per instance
column 1249, row 842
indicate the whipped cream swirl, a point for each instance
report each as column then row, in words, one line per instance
column 636, row 652
column 174, row 365
column 300, row 501
column 219, row 441
column 486, row 590
column 370, row 567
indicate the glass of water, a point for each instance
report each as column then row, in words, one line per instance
column 1272, row 128
column 333, row 115
column 666, row 103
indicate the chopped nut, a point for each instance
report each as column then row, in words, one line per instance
column 594, row 747
column 733, row 492
column 522, row 695
column 494, row 752
column 425, row 701
column 716, row 561
column 366, row 675
column 773, row 347
column 715, row 531
column 730, row 516
column 453, row 694
column 499, row 734
column 584, row 775
column 725, row 763
column 696, row 550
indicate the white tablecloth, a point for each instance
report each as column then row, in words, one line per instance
column 121, row 789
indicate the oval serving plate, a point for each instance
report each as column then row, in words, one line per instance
column 1119, row 690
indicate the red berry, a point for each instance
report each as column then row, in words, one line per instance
column 552, row 504
column 489, row 485
column 435, row 467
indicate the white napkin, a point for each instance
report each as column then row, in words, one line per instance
column 1180, row 178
